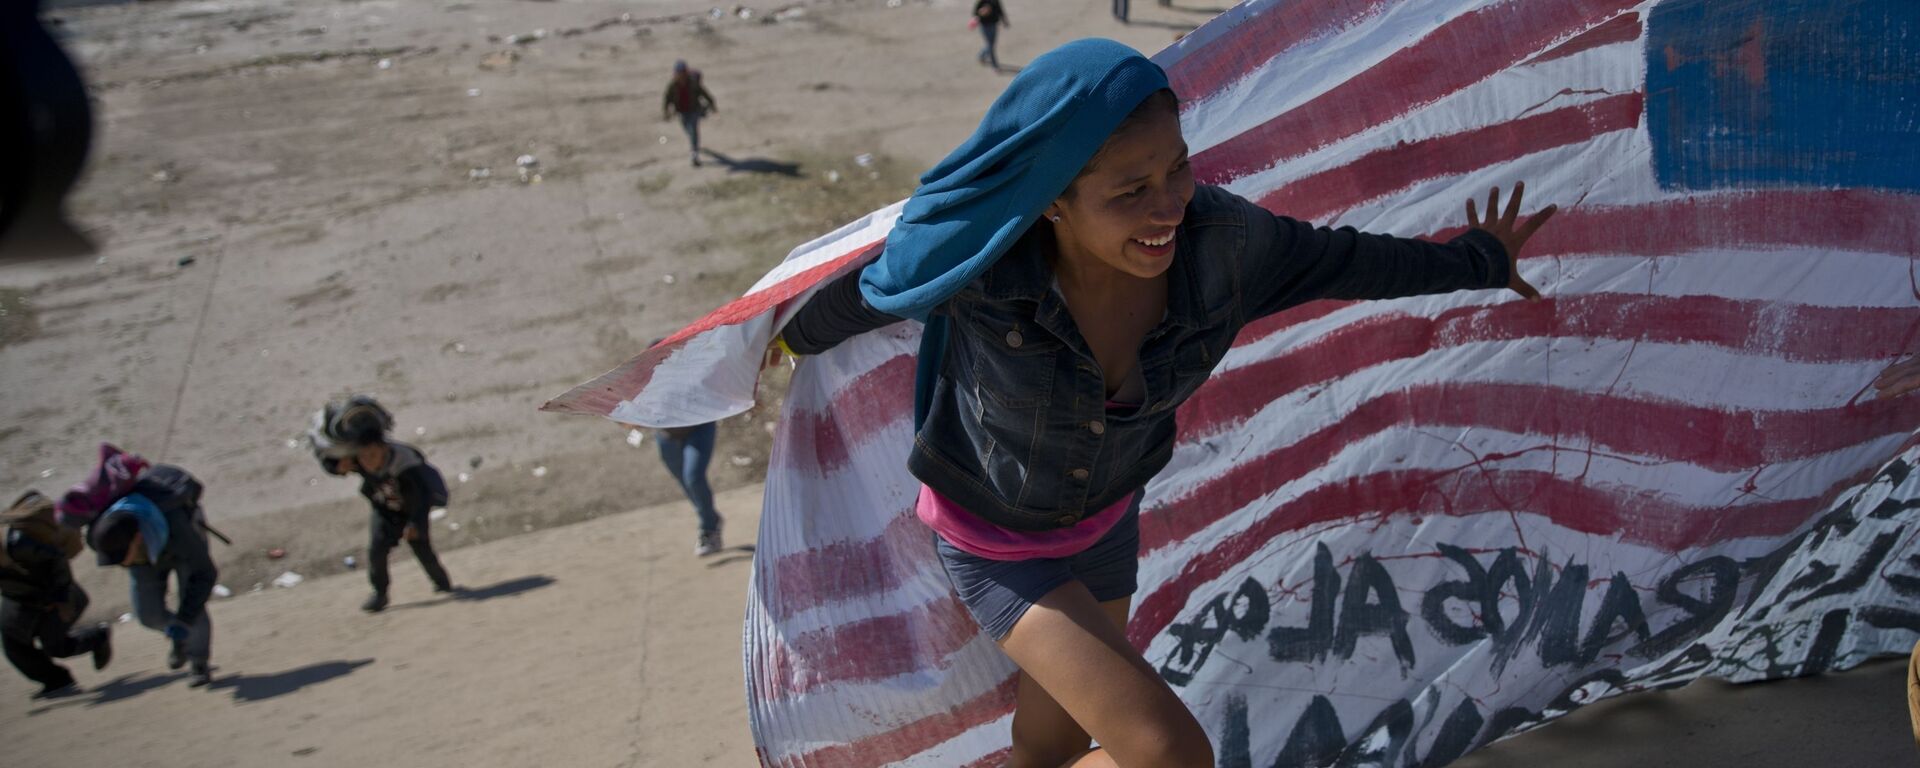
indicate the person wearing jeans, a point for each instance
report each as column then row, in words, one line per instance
column 155, row 545
column 989, row 16
column 686, row 451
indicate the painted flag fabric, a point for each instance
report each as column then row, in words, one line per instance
column 1395, row 531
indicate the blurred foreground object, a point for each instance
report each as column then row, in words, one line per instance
column 45, row 128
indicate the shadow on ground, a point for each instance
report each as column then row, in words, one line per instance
column 754, row 164
column 506, row 588
column 263, row 687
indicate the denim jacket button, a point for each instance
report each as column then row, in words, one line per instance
column 1097, row 427
column 1066, row 520
column 1013, row 339
column 1078, row 474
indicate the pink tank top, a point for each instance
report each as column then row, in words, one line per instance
column 972, row 535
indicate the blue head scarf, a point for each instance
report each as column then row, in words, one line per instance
column 973, row 206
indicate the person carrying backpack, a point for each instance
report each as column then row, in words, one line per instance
column 351, row 436
column 155, row 533
column 687, row 97
column 39, row 601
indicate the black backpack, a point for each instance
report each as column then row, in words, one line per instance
column 436, row 485
column 170, row 488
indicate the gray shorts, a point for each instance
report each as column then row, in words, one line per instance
column 999, row 592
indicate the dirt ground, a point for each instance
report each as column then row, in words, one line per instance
column 299, row 200
column 295, row 200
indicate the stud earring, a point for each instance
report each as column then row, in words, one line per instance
column 1054, row 219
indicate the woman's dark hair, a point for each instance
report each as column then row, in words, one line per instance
column 1158, row 102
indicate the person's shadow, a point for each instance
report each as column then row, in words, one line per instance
column 506, row 588
column 263, row 687
column 742, row 553
column 754, row 164
column 122, row 687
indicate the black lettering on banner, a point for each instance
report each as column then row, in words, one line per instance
column 1474, row 591
column 1244, row 612
column 1620, row 605
column 1722, row 578
column 1456, row 735
column 1316, row 740
column 1236, row 735
column 1560, row 617
column 1311, row 643
column 1396, row 721
column 1379, row 615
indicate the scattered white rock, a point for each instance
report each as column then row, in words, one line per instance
column 288, row 579
column 220, row 590
column 418, row 431
column 480, row 173
column 350, row 562
column 863, row 159
column 663, row 139
column 473, row 91
column 539, row 471
column 386, row 64
column 126, row 617
column 636, row 437
column 667, row 278
column 741, row 461
column 437, row 513
column 46, row 473
column 526, row 161
column 833, row 177
column 465, row 477
column 453, row 526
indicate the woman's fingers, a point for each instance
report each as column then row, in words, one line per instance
column 1513, row 204
column 1533, row 222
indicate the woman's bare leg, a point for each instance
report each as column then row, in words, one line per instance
column 1080, row 678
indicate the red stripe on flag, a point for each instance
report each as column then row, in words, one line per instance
column 1618, row 29
column 1402, row 165
column 846, row 570
column 898, row 744
column 1849, row 220
column 1458, row 53
column 1273, row 31
column 1798, row 333
column 1568, row 503
column 1569, row 423
column 818, row 442
column 919, row 639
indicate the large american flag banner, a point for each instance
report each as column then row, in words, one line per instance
column 1395, row 531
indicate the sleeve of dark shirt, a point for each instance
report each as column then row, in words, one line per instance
column 1291, row 262
column 194, row 564
column 834, row 314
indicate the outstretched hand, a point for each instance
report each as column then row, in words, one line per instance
column 1502, row 226
column 1898, row 379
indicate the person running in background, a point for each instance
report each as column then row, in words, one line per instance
column 989, row 17
column 39, row 601
column 351, row 436
column 686, row 451
column 687, row 97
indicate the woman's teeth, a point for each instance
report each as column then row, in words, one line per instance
column 1156, row 241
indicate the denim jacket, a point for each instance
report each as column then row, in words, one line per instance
column 1018, row 431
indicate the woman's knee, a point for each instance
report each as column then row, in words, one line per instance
column 150, row 616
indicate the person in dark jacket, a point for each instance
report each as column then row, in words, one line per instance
column 1076, row 286
column 39, row 601
column 154, row 543
column 351, row 436
column 686, row 97
column 989, row 17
